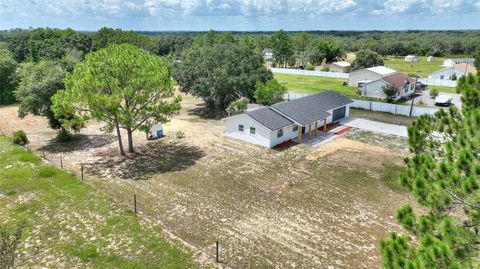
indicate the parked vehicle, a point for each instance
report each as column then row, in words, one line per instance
column 443, row 100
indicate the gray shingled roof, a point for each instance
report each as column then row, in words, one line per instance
column 271, row 119
column 312, row 108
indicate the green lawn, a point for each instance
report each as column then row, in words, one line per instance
column 443, row 89
column 422, row 68
column 70, row 224
column 313, row 84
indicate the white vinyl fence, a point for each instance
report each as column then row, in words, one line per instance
column 438, row 82
column 393, row 108
column 310, row 73
column 378, row 106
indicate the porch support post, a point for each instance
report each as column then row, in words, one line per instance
column 299, row 134
column 325, row 125
column 310, row 131
column 316, row 128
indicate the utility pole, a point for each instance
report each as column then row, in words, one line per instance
column 414, row 93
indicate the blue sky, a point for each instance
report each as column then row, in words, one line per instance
column 241, row 15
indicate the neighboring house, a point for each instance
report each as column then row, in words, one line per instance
column 273, row 125
column 268, row 55
column 404, row 85
column 369, row 74
column 431, row 59
column 342, row 67
column 453, row 61
column 459, row 70
column 411, row 58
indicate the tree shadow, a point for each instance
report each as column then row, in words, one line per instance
column 149, row 159
column 205, row 112
column 78, row 142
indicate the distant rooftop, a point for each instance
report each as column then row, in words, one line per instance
column 382, row 70
column 342, row 64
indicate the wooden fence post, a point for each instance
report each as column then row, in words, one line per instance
column 81, row 170
column 135, row 203
column 61, row 162
column 43, row 153
column 216, row 256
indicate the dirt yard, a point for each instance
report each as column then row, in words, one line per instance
column 304, row 207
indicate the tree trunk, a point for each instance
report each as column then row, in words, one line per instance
column 130, row 140
column 119, row 137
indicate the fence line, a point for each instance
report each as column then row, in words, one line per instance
column 438, row 82
column 379, row 106
column 310, row 73
column 426, row 81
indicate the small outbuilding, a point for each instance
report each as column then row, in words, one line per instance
column 411, row 58
column 431, row 59
column 341, row 67
column 458, row 70
column 156, row 131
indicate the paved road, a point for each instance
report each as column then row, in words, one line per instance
column 376, row 127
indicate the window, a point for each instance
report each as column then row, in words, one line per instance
column 295, row 128
column 240, row 128
column 252, row 130
column 280, row 133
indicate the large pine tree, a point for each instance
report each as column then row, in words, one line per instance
column 443, row 175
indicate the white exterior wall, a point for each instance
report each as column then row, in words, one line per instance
column 362, row 75
column 288, row 134
column 374, row 89
column 447, row 74
column 262, row 133
column 448, row 63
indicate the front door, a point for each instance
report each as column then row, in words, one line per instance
column 303, row 130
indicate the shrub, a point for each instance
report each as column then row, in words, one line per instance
column 47, row 171
column 326, row 69
column 8, row 245
column 179, row 134
column 433, row 93
column 20, row 138
column 63, row 135
column 454, row 76
column 310, row 67
column 344, row 83
column 238, row 105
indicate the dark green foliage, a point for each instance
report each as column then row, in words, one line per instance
column 106, row 36
column 477, row 59
column 366, row 59
column 270, row 93
column 8, row 246
column 8, row 66
column 282, row 47
column 38, row 82
column 239, row 105
column 20, row 138
column 390, row 92
column 221, row 73
column 325, row 51
column 443, row 175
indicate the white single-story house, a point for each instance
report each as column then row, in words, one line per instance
column 431, row 59
column 273, row 125
column 453, row 61
column 369, row 74
column 411, row 58
column 459, row 70
column 405, row 86
column 342, row 67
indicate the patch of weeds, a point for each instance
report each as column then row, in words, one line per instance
column 28, row 157
column 179, row 135
column 12, row 193
column 391, row 177
column 47, row 171
column 87, row 254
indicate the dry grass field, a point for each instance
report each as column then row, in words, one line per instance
column 303, row 207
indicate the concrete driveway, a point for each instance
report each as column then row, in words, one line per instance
column 424, row 98
column 375, row 126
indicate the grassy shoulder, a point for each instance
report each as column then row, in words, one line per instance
column 443, row 89
column 69, row 224
column 421, row 68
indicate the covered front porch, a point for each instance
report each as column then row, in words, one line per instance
column 311, row 130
